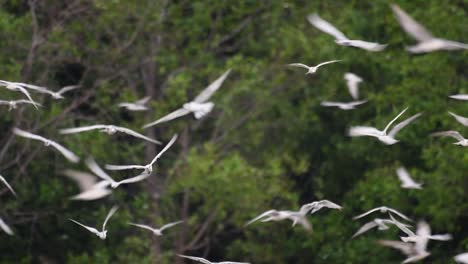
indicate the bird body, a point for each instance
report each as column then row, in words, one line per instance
column 406, row 180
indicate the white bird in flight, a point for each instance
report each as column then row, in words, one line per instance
column 426, row 41
column 202, row 260
column 139, row 105
column 94, row 167
column 383, row 136
column 413, row 251
column 47, row 142
column 14, row 103
column 343, row 105
column 91, row 188
column 454, row 134
column 198, row 106
column 2, row 179
column 157, row 231
column 422, row 235
column 340, row 38
column 16, row 87
column 462, row 120
column 101, row 234
column 352, row 81
column 148, row 168
column 5, row 227
column 109, row 129
column 462, row 97
column 312, row 69
column 383, row 209
column 461, row 258
column 381, row 224
column 44, row 90
column 406, row 180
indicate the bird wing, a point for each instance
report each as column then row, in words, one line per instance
column 142, row 226
column 366, row 227
column 370, row 46
column 5, row 227
column 462, row 258
column 123, row 167
column 93, row 193
column 81, row 129
column 267, row 213
column 68, row 88
column 136, row 134
column 356, row 103
column 443, row 237
column 359, row 131
column 2, row 179
column 26, row 134
column 352, row 81
column 404, row 176
column 84, row 180
column 232, row 262
column 327, row 62
column 94, row 167
column 135, row 179
column 462, row 120
column 402, row 124
column 109, row 215
column 202, row 260
column 413, row 28
column 450, row 133
column 394, row 119
column 330, row 103
column 406, row 248
column 65, row 152
column 300, row 65
column 366, row 213
column 211, row 89
column 177, row 113
column 402, row 226
column 326, row 27
column 459, row 96
column 329, row 204
column 166, row 226
column 25, row 92
column 143, row 100
column 168, row 145
column 90, row 229
column 399, row 214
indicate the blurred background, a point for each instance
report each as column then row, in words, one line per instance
column 267, row 144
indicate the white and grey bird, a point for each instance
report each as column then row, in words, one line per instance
column 422, row 235
column 55, row 95
column 383, row 209
column 343, row 105
column 382, row 135
column 461, row 258
column 426, row 41
column 148, row 168
column 91, row 188
column 311, row 69
column 109, row 129
column 200, row 106
column 4, row 181
column 5, row 227
column 313, row 207
column 157, row 231
column 381, row 224
column 462, row 97
column 275, row 215
column 406, row 181
column 454, row 134
column 139, row 105
column 340, row 38
column 12, row 86
column 47, row 142
column 413, row 252
column 204, row 261
column 462, row 120
column 103, row 233
column 13, row 104
column 353, row 81
column 94, row 167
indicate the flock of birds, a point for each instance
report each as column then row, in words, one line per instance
column 97, row 184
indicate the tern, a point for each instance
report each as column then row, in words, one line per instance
column 312, row 69
column 454, row 134
column 109, row 129
column 47, row 142
column 202, row 260
column 411, row 250
column 157, row 231
column 340, row 38
column 16, row 87
column 101, row 234
column 462, row 120
column 422, row 235
column 352, row 81
column 406, row 181
column 383, row 136
column 275, row 215
column 381, row 224
column 383, row 209
column 94, row 167
column 90, row 188
column 5, row 227
column 199, row 106
column 461, row 258
column 14, row 103
column 426, row 41
column 463, row 97
column 139, row 105
column 317, row 205
column 148, row 168
column 343, row 105
column 55, row 95
column 2, row 179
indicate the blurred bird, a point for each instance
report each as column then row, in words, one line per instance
column 199, row 106
column 462, row 258
column 454, row 134
column 406, row 180
column 317, row 205
column 383, row 136
column 352, row 81
column 101, row 234
column 157, row 231
column 413, row 252
column 202, row 260
column 383, row 209
column 462, row 120
column 274, row 215
column 109, row 129
column 17, row 87
column 90, row 188
column 47, row 142
column 343, row 105
column 5, row 227
column 2, row 179
column 340, row 38
column 312, row 69
column 148, row 168
column 426, row 41
column 55, row 95
column 139, row 105
column 422, row 235
column 381, row 224
column 14, row 103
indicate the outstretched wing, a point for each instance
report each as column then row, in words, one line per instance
column 327, row 62
column 300, row 65
column 177, row 113
column 166, row 226
column 413, row 28
column 136, row 178
column 359, row 131
column 136, row 134
column 124, row 167
column 463, row 97
column 26, row 134
column 211, row 89
column 366, row 213
column 5, row 227
column 202, row 260
column 406, row 248
column 450, row 133
column 393, row 120
column 326, row 27
column 352, row 81
column 142, row 226
column 366, row 227
column 267, row 213
column 90, row 229
column 7, row 185
column 81, row 129
column 168, row 145
column 462, row 120
column 94, row 167
column 109, row 215
column 143, row 100
column 401, row 125
column 65, row 152
column 68, row 88
column 84, row 180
